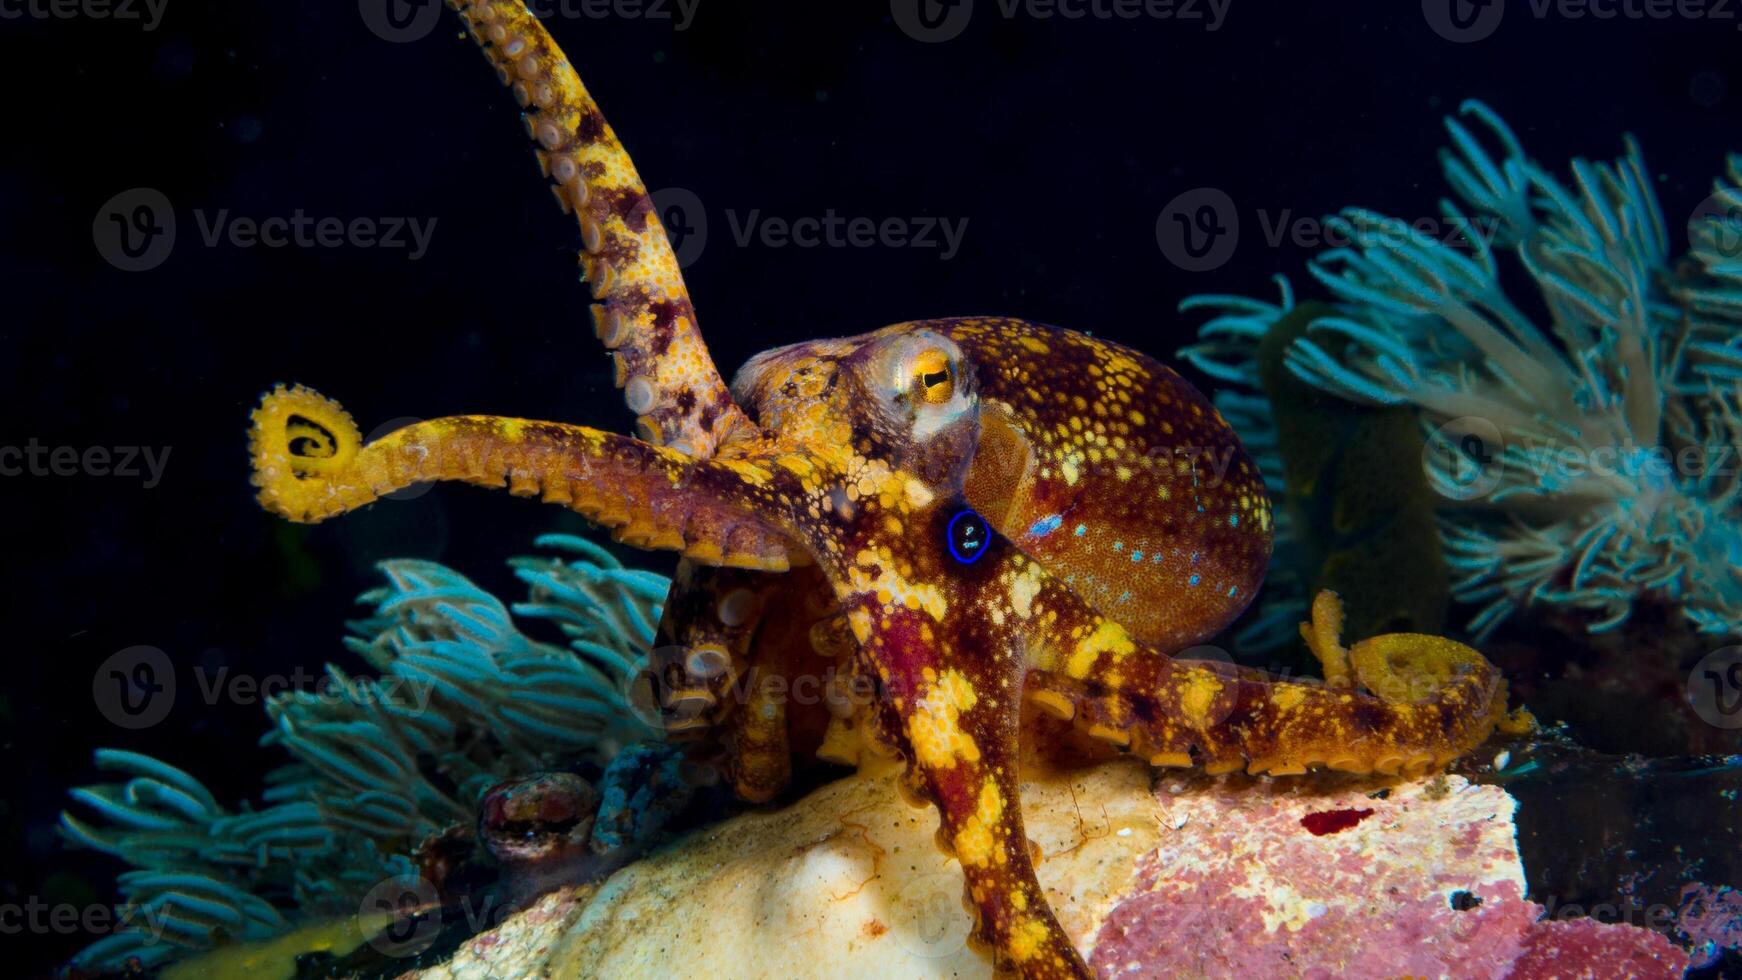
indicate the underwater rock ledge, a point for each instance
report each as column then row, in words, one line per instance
column 1181, row 874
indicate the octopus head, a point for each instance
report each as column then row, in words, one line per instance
column 904, row 394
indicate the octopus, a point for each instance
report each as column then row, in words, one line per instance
column 892, row 544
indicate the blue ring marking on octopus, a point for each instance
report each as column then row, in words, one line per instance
column 968, row 535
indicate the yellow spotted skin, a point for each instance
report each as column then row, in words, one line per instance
column 644, row 312
column 824, row 607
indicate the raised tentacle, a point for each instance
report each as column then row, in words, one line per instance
column 1400, row 703
column 644, row 312
column 310, row 464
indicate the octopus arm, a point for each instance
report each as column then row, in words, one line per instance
column 1393, row 704
column 310, row 463
column 703, row 683
column 950, row 673
column 644, row 312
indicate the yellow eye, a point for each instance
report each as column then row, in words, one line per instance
column 933, row 377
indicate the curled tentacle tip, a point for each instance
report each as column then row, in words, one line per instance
column 299, row 441
column 1411, row 667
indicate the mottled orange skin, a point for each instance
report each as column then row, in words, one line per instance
column 1125, row 523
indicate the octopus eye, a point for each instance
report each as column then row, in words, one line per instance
column 934, row 378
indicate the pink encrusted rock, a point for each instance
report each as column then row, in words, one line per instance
column 1585, row 949
column 1252, row 879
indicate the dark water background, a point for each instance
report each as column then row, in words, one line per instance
column 1058, row 141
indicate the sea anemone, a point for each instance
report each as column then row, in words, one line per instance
column 1587, row 464
column 463, row 701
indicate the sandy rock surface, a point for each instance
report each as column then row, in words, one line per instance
column 1154, row 875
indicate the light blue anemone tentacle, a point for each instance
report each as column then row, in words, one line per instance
column 124, row 946
column 590, row 552
column 1494, row 188
column 464, row 700
column 1638, row 350
column 1316, row 366
column 1227, row 344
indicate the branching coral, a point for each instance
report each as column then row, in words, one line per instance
column 464, row 701
column 1589, row 463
